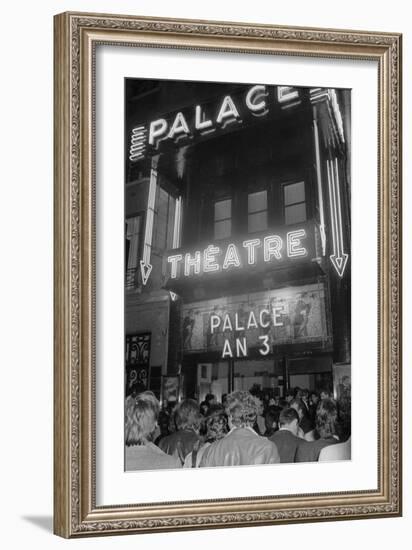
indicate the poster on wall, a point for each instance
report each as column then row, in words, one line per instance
column 261, row 320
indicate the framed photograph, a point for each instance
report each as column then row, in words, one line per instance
column 227, row 274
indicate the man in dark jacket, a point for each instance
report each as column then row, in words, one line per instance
column 285, row 438
column 187, row 420
column 306, row 430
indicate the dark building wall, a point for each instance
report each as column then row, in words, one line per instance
column 149, row 313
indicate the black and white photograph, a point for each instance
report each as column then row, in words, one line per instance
column 237, row 274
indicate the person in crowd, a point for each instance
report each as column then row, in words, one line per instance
column 305, row 401
column 325, row 394
column 313, row 403
column 283, row 403
column 344, row 408
column 332, row 453
column 205, row 405
column 297, row 393
column 170, row 409
column 289, row 396
column 140, row 425
column 326, row 418
column 242, row 445
column 187, row 420
column 163, row 421
column 224, row 399
column 260, row 425
column 286, row 439
column 265, row 401
column 216, row 427
column 306, row 428
column 275, row 402
column 271, row 421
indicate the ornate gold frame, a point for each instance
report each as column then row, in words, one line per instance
column 76, row 35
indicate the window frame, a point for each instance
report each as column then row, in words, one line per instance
column 266, row 190
column 304, row 202
column 215, row 201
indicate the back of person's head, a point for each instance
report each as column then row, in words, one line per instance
column 141, row 417
column 209, row 397
column 216, row 425
column 242, row 408
column 287, row 416
column 163, row 420
column 271, row 418
column 187, row 415
column 326, row 415
column 289, row 395
column 297, row 392
column 298, row 406
column 150, row 397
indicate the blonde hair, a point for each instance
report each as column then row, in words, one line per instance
column 140, row 418
column 187, row 415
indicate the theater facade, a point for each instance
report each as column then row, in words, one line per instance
column 237, row 238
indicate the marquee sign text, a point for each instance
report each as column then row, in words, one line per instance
column 231, row 256
column 200, row 120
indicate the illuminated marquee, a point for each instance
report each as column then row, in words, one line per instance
column 263, row 320
column 200, row 122
column 251, row 324
column 214, row 258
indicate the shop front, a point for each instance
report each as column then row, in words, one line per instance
column 252, row 340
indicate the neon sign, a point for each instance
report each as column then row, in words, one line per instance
column 264, row 319
column 251, row 324
column 232, row 256
column 201, row 122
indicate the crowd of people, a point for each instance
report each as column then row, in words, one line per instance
column 243, row 429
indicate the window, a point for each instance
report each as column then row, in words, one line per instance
column 134, row 235
column 257, row 211
column 223, row 219
column 294, row 201
column 164, row 220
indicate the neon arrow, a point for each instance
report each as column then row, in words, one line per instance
column 145, row 269
column 339, row 258
column 145, row 265
column 319, row 180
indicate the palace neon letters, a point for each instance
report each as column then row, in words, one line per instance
column 228, row 111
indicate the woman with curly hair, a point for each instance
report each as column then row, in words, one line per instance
column 242, row 445
column 140, row 426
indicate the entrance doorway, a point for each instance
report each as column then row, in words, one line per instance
column 313, row 382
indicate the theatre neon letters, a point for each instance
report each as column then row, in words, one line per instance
column 272, row 248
